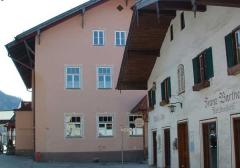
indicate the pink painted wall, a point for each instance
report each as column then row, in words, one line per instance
column 70, row 44
column 24, row 131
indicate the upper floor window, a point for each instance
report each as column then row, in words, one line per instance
column 232, row 41
column 73, row 77
column 182, row 21
column 203, row 69
column 98, row 37
column 120, row 38
column 166, row 91
column 181, row 79
column 152, row 97
column 104, row 77
column 105, row 125
column 73, row 125
column 134, row 130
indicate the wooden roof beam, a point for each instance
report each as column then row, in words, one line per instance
column 143, row 52
column 178, row 5
column 227, row 3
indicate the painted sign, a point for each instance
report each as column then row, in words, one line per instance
column 223, row 101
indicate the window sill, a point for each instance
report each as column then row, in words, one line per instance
column 73, row 88
column 73, row 137
column 234, row 70
column 164, row 102
column 98, row 45
column 135, row 136
column 105, row 136
column 200, row 86
column 104, row 88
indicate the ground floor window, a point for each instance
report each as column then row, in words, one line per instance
column 73, row 125
column 134, row 130
column 105, row 125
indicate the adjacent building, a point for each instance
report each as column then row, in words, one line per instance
column 71, row 63
column 186, row 53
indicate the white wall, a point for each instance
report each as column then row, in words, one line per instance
column 208, row 29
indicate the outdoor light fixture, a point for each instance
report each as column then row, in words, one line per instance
column 172, row 106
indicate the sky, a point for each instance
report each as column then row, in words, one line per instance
column 17, row 16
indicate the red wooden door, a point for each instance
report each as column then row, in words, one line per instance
column 183, row 150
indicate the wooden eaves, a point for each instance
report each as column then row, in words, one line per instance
column 149, row 25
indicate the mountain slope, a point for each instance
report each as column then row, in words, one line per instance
column 8, row 102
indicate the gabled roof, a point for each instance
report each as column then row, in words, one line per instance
column 21, row 50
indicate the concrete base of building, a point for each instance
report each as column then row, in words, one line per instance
column 113, row 156
column 24, row 152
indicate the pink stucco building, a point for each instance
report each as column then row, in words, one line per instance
column 72, row 63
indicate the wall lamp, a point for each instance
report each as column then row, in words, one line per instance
column 172, row 106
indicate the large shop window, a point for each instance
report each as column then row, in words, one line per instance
column 203, row 69
column 73, row 125
column 232, row 41
column 152, row 97
column 105, row 126
column 134, row 130
column 166, row 91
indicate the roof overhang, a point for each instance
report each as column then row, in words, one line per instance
column 150, row 22
column 141, row 107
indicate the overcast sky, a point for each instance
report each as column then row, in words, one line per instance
column 17, row 16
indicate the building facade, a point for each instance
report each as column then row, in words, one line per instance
column 72, row 64
column 193, row 86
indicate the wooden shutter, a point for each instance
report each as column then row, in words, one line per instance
column 230, row 47
column 196, row 70
column 169, row 87
column 209, row 73
column 150, row 98
column 163, row 91
column 153, row 97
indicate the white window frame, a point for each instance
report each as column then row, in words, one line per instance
column 111, row 76
column 81, row 124
column 79, row 75
column 98, row 43
column 133, row 122
column 120, row 37
column 181, row 79
column 105, row 115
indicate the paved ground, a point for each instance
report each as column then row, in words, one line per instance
column 23, row 162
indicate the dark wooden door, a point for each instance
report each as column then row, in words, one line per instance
column 154, row 148
column 183, row 150
column 167, row 148
column 236, row 123
column 210, row 144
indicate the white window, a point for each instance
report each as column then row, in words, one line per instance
column 181, row 79
column 104, row 77
column 73, row 125
column 73, row 77
column 98, row 37
column 120, row 38
column 105, row 125
column 135, row 131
